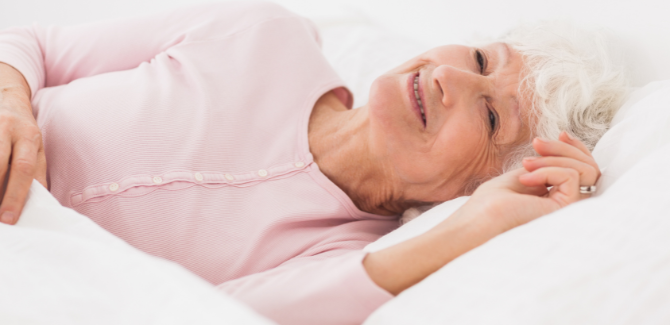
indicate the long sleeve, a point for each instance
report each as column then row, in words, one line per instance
column 312, row 290
column 53, row 56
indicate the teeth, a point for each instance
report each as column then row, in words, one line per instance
column 418, row 98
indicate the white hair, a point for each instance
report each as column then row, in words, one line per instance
column 571, row 79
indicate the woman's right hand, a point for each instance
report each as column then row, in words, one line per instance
column 22, row 157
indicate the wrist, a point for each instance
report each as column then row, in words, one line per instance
column 485, row 215
column 13, row 83
column 14, row 92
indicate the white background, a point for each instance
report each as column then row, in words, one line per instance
column 641, row 25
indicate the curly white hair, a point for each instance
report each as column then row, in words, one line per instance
column 572, row 78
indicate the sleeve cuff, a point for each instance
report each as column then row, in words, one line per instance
column 24, row 55
column 372, row 295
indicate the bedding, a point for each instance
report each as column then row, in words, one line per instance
column 59, row 267
column 605, row 260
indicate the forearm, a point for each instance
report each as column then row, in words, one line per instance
column 401, row 266
column 12, row 83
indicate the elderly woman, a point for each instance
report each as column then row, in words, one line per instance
column 219, row 137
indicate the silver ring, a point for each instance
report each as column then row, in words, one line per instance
column 587, row 189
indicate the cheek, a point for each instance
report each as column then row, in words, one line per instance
column 453, row 155
column 418, row 157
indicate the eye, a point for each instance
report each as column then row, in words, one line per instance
column 493, row 120
column 481, row 60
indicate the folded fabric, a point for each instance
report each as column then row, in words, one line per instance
column 58, row 267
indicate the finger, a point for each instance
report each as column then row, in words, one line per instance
column 24, row 162
column 565, row 182
column 510, row 181
column 587, row 174
column 561, row 149
column 569, row 139
column 5, row 152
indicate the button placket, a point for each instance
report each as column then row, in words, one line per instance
column 243, row 179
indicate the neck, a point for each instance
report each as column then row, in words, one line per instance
column 339, row 141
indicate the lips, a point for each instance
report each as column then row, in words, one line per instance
column 416, row 99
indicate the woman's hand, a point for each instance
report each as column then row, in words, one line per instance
column 498, row 205
column 522, row 195
column 20, row 145
column 567, row 152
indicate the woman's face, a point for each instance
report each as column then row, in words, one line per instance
column 466, row 117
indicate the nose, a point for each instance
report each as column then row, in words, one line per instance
column 457, row 85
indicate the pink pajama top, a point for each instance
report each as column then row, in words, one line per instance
column 185, row 134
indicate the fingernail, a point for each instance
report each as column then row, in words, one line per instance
column 530, row 158
column 569, row 136
column 542, row 140
column 7, row 217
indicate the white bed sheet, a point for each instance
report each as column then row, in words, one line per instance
column 59, row 267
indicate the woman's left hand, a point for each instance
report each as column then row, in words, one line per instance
column 520, row 196
column 502, row 203
column 567, row 152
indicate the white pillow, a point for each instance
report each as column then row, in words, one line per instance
column 418, row 225
column 58, row 267
column 604, row 260
column 639, row 128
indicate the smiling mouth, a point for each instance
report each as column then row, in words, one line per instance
column 418, row 98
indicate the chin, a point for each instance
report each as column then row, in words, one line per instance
column 393, row 138
column 385, row 104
